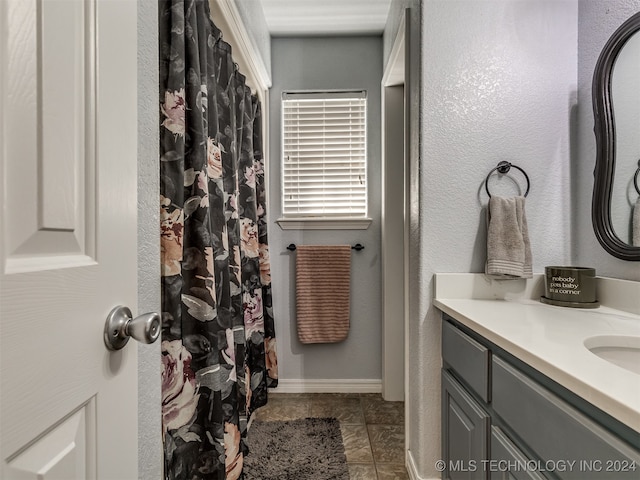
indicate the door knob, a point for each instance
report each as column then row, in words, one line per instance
column 120, row 326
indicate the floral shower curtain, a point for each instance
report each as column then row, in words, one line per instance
column 218, row 339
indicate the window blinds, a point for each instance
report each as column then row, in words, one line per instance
column 324, row 150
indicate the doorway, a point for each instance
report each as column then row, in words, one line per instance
column 394, row 221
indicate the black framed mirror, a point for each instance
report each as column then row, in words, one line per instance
column 615, row 237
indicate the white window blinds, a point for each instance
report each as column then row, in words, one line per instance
column 324, row 153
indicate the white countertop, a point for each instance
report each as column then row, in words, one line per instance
column 549, row 338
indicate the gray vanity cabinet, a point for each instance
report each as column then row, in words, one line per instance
column 465, row 421
column 503, row 420
column 558, row 432
column 465, row 426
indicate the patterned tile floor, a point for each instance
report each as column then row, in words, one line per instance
column 372, row 429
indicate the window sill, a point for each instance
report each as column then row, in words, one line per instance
column 324, row 223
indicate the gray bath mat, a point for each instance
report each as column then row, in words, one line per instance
column 306, row 449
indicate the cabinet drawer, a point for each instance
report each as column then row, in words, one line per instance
column 556, row 431
column 467, row 358
column 508, row 462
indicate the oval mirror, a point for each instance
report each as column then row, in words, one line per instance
column 616, row 108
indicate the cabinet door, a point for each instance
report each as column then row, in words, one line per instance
column 465, row 430
column 507, row 460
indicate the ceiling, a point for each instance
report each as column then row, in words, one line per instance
column 325, row 17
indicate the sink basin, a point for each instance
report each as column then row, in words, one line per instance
column 621, row 350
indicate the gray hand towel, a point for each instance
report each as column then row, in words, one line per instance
column 636, row 224
column 508, row 247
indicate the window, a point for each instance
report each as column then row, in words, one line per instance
column 324, row 147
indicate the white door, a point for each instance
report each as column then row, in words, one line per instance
column 68, row 407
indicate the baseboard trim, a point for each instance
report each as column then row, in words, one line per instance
column 411, row 467
column 412, row 470
column 328, row 386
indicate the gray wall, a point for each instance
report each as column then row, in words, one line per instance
column 597, row 21
column 498, row 82
column 149, row 406
column 328, row 63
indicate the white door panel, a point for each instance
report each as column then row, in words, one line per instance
column 68, row 407
column 49, row 133
column 60, row 454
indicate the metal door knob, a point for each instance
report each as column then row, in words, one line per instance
column 121, row 326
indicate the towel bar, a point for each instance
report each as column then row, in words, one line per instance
column 357, row 246
column 504, row 167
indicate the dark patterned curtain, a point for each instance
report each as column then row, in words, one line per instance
column 218, row 339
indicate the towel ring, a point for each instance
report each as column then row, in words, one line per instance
column 635, row 178
column 504, row 167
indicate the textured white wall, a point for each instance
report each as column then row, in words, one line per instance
column 328, row 63
column 149, row 409
column 597, row 21
column 498, row 83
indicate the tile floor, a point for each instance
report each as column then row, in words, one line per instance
column 372, row 429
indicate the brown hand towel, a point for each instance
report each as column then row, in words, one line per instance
column 323, row 274
column 508, row 248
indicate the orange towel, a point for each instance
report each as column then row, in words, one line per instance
column 323, row 275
